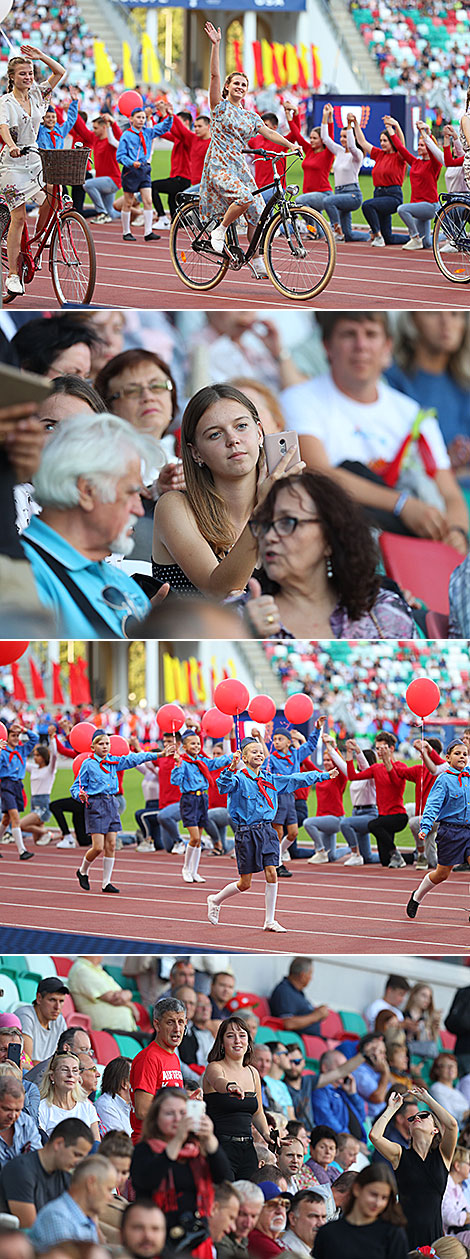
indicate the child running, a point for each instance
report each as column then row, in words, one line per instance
column 192, row 775
column 43, row 773
column 15, row 750
column 448, row 802
column 252, row 790
column 96, row 785
column 287, row 759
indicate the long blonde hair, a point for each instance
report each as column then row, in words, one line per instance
column 209, row 507
column 47, row 1090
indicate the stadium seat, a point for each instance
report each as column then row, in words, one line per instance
column 10, row 995
column 13, row 964
column 446, row 1041
column 422, row 566
column 117, row 975
column 27, row 986
column 62, row 965
column 40, row 964
column 353, row 1022
column 80, row 1020
column 68, row 1008
column 265, row 1034
column 437, row 625
column 331, row 1028
column 314, row 1046
column 105, row 1046
column 128, row 1046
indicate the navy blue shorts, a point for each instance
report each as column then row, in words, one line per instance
column 453, row 843
column 256, row 847
column 194, row 808
column 286, row 814
column 11, row 790
column 136, row 177
column 101, row 815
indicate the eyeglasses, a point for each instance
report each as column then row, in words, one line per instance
column 137, row 391
column 282, row 527
column 420, row 1114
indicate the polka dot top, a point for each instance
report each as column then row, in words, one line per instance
column 173, row 574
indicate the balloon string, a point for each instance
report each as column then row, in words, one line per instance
column 237, row 731
column 422, row 768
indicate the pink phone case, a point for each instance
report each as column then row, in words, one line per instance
column 276, row 445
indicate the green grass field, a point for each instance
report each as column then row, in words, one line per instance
column 134, row 798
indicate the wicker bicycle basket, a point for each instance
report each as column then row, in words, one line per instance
column 64, row 166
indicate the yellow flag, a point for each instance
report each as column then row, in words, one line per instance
column 267, row 59
column 292, row 65
column 127, row 71
column 168, row 680
column 150, row 64
column 279, row 54
column 230, row 666
column 104, row 72
column 304, row 59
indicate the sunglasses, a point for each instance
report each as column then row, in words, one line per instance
column 420, row 1114
column 295, row 1062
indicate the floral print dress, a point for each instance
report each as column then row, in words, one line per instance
column 226, row 177
column 19, row 176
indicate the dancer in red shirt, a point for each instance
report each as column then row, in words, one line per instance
column 425, row 169
column 179, row 178
column 390, row 790
column 423, row 775
column 387, row 177
column 317, row 162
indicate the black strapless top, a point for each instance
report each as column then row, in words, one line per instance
column 231, row 1116
column 173, row 574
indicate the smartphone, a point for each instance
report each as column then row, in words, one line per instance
column 276, row 445
column 14, row 1054
column 18, row 386
column 195, row 1109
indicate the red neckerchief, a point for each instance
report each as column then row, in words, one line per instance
column 284, row 756
column 142, row 141
column 51, row 133
column 105, row 765
column 194, row 760
column 465, row 773
column 262, row 785
column 15, row 753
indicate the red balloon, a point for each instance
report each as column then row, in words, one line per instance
column 262, row 708
column 78, row 761
column 128, row 101
column 170, row 717
column 11, row 651
column 3, row 731
column 298, row 708
column 81, row 736
column 423, row 696
column 231, row 696
column 119, row 746
column 216, row 724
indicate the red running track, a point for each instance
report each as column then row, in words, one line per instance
column 325, row 910
column 141, row 275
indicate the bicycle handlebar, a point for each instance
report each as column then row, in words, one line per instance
column 265, row 154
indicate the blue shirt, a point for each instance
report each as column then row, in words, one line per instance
column 286, row 999
column 136, row 146
column 96, row 776
column 13, row 760
column 61, row 130
column 440, row 391
column 331, row 1105
column 448, row 800
column 92, row 577
column 247, row 803
column 25, row 1137
column 62, row 1219
column 290, row 761
column 188, row 777
column 367, row 1079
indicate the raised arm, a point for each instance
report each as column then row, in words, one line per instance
column 359, row 135
column 57, row 71
column 393, row 128
column 446, row 1121
column 215, row 86
column 388, row 1149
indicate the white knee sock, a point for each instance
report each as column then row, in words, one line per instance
column 230, row 890
column 108, row 866
column 188, row 857
column 196, row 857
column 148, row 215
column 85, row 866
column 126, row 221
column 270, row 898
column 18, row 838
column 286, row 842
column 425, row 886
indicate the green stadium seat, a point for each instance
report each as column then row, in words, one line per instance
column 10, row 995
column 12, row 964
column 353, row 1022
column 265, row 1034
column 116, row 973
column 27, row 986
column 128, row 1046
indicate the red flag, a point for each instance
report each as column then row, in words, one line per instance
column 84, row 685
column 36, row 681
column 276, row 72
column 74, row 685
column 192, row 698
column 237, row 54
column 301, row 81
column 57, row 692
column 315, row 67
column 19, row 689
column 258, row 60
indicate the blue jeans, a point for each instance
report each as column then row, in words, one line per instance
column 323, row 829
column 356, row 832
column 168, row 819
column 378, row 212
column 103, row 190
column 147, row 819
column 220, row 818
column 418, row 216
column 339, row 205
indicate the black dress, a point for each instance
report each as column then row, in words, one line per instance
column 421, row 1184
column 342, row 1240
column 232, row 1119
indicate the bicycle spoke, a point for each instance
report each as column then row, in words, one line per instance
column 300, row 256
column 196, row 267
column 73, row 260
column 451, row 241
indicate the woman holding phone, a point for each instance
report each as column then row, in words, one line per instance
column 232, row 1091
column 422, row 1170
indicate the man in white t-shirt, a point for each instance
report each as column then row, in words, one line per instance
column 395, row 992
column 350, row 421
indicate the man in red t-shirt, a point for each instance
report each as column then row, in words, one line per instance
column 157, row 1066
column 390, row 790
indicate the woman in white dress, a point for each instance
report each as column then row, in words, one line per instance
column 22, row 109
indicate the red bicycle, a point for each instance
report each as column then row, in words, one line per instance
column 72, row 258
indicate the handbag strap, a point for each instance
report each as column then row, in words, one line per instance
column 96, row 621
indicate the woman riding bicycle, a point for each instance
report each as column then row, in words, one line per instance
column 227, row 188
column 22, row 109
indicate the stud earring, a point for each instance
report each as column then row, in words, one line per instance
column 329, row 567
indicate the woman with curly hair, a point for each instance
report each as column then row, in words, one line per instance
column 319, row 565
column 371, row 1225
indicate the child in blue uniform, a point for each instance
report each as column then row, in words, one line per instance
column 285, row 759
column 191, row 774
column 252, row 790
column 134, row 151
column 96, row 785
column 15, row 750
column 448, row 803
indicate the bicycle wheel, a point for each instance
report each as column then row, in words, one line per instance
column 72, row 260
column 4, row 226
column 452, row 229
column 197, row 269
column 300, row 260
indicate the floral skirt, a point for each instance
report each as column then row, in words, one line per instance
column 19, row 179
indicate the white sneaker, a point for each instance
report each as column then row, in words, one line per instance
column 415, row 242
column 14, row 284
column 287, row 856
column 259, row 268
column 197, row 878
column 213, row 911
column 179, row 848
column 218, row 239
column 207, row 843
column 273, row 926
column 163, row 222
column 188, row 878
column 320, row 857
column 354, row 860
column 146, row 846
column 378, row 240
column 396, row 862
column 67, row 842
column 45, row 839
column 448, row 248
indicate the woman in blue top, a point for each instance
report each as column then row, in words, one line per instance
column 96, row 785
column 449, row 803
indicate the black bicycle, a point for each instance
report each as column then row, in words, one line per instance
column 451, row 237
column 297, row 244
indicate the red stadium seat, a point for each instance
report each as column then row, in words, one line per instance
column 62, row 965
column 421, row 566
column 314, row 1046
column 447, row 1040
column 80, row 1020
column 332, row 1028
column 437, row 625
column 68, row 1009
column 105, row 1047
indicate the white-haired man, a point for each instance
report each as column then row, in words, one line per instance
column 89, row 483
